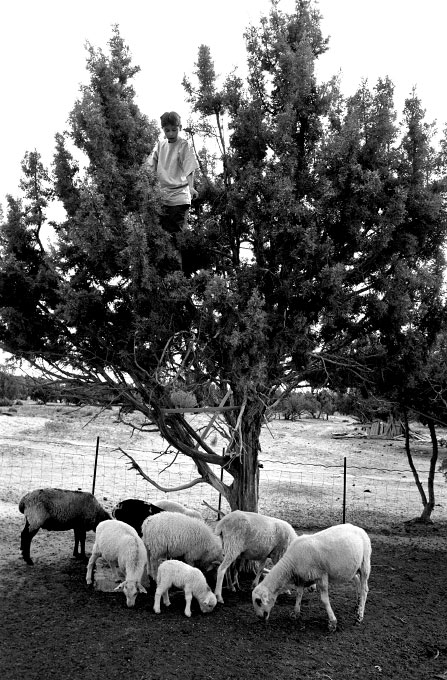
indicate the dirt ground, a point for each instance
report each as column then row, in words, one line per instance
column 54, row 626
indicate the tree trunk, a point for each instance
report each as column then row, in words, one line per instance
column 244, row 466
column 430, row 504
column 410, row 460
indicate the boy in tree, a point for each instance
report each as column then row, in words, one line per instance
column 175, row 164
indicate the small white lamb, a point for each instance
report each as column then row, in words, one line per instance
column 253, row 537
column 335, row 555
column 191, row 579
column 119, row 544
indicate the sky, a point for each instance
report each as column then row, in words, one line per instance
column 43, row 56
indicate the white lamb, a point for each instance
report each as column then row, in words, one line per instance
column 120, row 545
column 253, row 537
column 335, row 555
column 173, row 506
column 173, row 535
column 193, row 582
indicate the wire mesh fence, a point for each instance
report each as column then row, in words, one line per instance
column 307, row 494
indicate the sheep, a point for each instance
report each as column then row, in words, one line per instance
column 59, row 510
column 173, row 535
column 335, row 555
column 173, row 506
column 119, row 544
column 134, row 511
column 191, row 579
column 253, row 537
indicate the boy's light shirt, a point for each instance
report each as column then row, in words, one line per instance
column 173, row 162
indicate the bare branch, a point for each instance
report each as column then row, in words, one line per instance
column 133, row 465
column 219, row 513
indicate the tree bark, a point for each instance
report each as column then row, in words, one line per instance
column 243, row 493
column 430, row 504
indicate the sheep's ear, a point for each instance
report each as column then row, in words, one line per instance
column 120, row 587
column 141, row 588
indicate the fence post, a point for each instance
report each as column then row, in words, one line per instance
column 220, row 495
column 344, row 490
column 96, row 465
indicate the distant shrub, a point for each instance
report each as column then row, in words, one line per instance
column 182, row 399
column 54, row 426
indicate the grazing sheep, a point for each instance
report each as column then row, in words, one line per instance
column 253, row 537
column 193, row 582
column 119, row 544
column 173, row 506
column 335, row 555
column 173, row 535
column 134, row 512
column 59, row 510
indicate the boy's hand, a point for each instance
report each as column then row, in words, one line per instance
column 194, row 193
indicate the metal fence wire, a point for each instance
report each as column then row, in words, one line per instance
column 307, row 494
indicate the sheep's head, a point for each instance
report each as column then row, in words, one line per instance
column 131, row 590
column 207, row 605
column 263, row 601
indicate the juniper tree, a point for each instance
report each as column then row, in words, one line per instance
column 299, row 241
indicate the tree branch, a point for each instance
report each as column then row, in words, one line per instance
column 133, row 465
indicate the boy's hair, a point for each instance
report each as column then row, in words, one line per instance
column 170, row 118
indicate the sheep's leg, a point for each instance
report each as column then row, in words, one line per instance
column 91, row 563
column 79, row 535
column 363, row 594
column 157, row 597
column 188, row 598
column 357, row 585
column 260, row 569
column 26, row 537
column 226, row 563
column 166, row 600
column 324, row 595
column 297, row 608
column 232, row 577
column 158, row 593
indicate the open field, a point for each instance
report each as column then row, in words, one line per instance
column 53, row 626
column 301, row 478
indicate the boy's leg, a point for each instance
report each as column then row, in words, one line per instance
column 174, row 220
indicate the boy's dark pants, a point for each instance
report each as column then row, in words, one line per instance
column 174, row 219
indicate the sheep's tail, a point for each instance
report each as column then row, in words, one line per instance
column 218, row 529
column 22, row 505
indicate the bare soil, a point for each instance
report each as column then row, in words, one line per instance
column 54, row 626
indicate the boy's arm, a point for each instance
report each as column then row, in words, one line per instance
column 152, row 160
column 190, row 180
